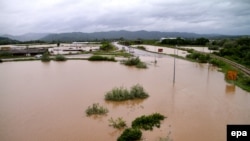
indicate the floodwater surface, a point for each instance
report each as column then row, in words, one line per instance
column 47, row 101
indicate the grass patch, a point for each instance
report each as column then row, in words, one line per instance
column 121, row 94
column 60, row 57
column 101, row 58
column 130, row 134
column 96, row 109
column 134, row 62
column 118, row 123
column 148, row 122
column 217, row 62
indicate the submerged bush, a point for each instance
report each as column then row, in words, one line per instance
column 135, row 62
column 130, row 134
column 101, row 58
column 60, row 57
column 121, row 94
column 137, row 91
column 118, row 123
column 148, row 122
column 96, row 109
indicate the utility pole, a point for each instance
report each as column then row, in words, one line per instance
column 174, row 66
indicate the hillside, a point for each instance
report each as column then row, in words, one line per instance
column 130, row 35
column 26, row 37
column 6, row 41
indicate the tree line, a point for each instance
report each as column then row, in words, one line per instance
column 234, row 49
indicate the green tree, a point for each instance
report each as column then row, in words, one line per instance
column 45, row 57
column 106, row 46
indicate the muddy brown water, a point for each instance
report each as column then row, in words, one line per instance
column 46, row 101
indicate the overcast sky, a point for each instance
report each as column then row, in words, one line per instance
column 57, row 16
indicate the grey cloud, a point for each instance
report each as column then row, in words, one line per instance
column 209, row 16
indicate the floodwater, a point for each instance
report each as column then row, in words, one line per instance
column 165, row 50
column 47, row 101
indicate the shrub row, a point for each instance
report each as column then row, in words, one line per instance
column 101, row 58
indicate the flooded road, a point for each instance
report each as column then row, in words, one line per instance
column 47, row 101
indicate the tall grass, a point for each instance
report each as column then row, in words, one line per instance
column 121, row 94
column 118, row 123
column 96, row 109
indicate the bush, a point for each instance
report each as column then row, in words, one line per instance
column 138, row 91
column 106, row 46
column 201, row 58
column 45, row 57
column 135, row 62
column 101, row 58
column 96, row 109
column 118, row 123
column 121, row 94
column 148, row 122
column 60, row 58
column 130, row 134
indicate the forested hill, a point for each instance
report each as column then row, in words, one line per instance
column 6, row 41
column 130, row 35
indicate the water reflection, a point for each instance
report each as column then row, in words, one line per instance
column 230, row 89
column 128, row 103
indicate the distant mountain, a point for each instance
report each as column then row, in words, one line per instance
column 6, row 41
column 130, row 35
column 27, row 36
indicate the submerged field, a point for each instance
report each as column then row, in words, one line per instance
column 47, row 101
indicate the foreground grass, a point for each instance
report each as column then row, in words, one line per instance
column 121, row 94
column 96, row 109
column 101, row 58
column 130, row 134
column 143, row 122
